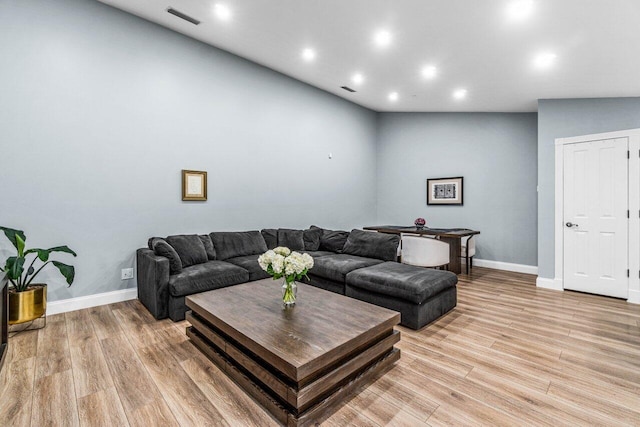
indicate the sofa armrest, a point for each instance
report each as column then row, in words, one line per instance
column 153, row 282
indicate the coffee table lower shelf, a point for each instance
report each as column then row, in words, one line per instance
column 294, row 404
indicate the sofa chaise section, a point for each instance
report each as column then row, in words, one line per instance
column 421, row 295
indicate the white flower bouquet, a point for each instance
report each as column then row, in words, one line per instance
column 282, row 262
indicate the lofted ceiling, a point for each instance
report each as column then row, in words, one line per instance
column 440, row 55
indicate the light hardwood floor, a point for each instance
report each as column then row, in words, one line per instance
column 509, row 354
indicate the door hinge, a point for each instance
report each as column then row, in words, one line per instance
column 628, row 155
column 627, row 272
column 627, row 213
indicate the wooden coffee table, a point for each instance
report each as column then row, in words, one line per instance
column 299, row 363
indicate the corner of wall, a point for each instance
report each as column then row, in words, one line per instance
column 553, row 284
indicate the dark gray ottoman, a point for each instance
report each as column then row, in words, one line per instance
column 421, row 295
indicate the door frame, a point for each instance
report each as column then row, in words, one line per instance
column 633, row 136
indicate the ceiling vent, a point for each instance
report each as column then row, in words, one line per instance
column 348, row 89
column 181, row 15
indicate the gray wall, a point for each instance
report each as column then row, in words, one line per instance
column 100, row 110
column 559, row 118
column 496, row 155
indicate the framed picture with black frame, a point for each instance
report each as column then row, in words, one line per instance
column 444, row 191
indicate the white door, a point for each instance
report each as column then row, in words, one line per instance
column 596, row 256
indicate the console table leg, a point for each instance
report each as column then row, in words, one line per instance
column 454, row 254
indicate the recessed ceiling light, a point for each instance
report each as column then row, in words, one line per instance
column 518, row 10
column 308, row 54
column 460, row 93
column 222, row 11
column 382, row 38
column 357, row 78
column 393, row 96
column 544, row 60
column 429, row 72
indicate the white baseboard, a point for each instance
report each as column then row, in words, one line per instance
column 72, row 304
column 507, row 266
column 553, row 284
column 634, row 296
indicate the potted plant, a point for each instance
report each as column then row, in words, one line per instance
column 28, row 300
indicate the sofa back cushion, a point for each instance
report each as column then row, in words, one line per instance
column 270, row 236
column 152, row 241
column 230, row 244
column 311, row 238
column 332, row 240
column 292, row 239
column 189, row 248
column 372, row 245
column 162, row 248
column 208, row 246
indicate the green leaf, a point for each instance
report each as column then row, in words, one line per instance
column 68, row 271
column 43, row 254
column 62, row 249
column 11, row 235
column 20, row 242
column 14, row 267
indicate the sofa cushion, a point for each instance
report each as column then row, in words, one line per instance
column 311, row 238
column 152, row 240
column 316, row 254
column 162, row 248
column 270, row 236
column 189, row 248
column 205, row 277
column 407, row 282
column 326, row 284
column 231, row 244
column 372, row 244
column 292, row 239
column 336, row 266
column 332, row 240
column 250, row 263
column 208, row 246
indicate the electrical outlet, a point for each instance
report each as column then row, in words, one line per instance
column 127, row 273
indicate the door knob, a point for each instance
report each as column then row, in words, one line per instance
column 570, row 224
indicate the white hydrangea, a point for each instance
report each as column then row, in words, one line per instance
column 265, row 259
column 308, row 261
column 278, row 264
column 281, row 261
column 281, row 250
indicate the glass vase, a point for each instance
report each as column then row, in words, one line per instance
column 289, row 293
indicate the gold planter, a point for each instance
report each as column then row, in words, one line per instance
column 28, row 305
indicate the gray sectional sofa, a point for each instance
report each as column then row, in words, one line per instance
column 359, row 264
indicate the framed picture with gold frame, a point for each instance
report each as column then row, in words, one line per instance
column 194, row 185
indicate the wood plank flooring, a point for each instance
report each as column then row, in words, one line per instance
column 509, row 354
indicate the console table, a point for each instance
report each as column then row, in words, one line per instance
column 452, row 236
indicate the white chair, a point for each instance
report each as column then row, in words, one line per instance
column 468, row 250
column 424, row 251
